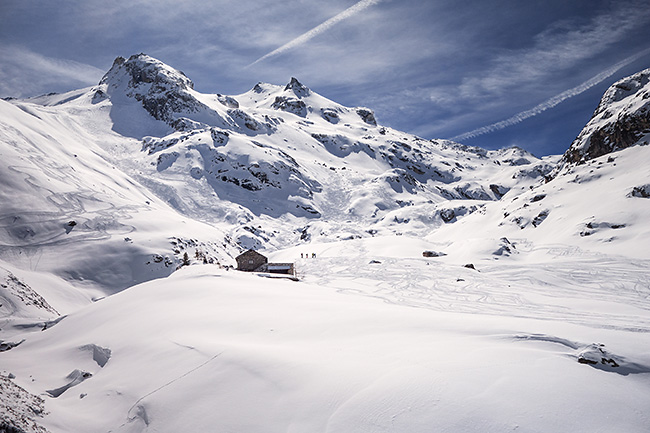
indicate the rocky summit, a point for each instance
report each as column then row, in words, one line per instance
column 621, row 120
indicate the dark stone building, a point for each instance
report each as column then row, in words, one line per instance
column 251, row 261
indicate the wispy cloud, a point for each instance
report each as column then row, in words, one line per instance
column 48, row 65
column 552, row 102
column 305, row 37
column 24, row 71
column 560, row 47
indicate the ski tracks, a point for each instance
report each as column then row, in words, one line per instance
column 603, row 293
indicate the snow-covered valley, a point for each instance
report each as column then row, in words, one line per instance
column 440, row 287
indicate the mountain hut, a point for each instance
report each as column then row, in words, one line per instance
column 251, row 261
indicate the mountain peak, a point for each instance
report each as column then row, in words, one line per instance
column 162, row 90
column 299, row 89
column 634, row 86
column 141, row 69
column 621, row 120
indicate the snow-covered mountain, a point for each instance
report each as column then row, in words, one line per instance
column 528, row 310
column 287, row 152
column 271, row 168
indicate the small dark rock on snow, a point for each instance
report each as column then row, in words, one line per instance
column 642, row 191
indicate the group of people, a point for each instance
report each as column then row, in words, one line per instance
column 306, row 256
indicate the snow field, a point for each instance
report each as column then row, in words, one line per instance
column 215, row 349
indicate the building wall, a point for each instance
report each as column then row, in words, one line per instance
column 281, row 268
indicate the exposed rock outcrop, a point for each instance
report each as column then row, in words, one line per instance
column 19, row 410
column 298, row 89
column 367, row 115
column 621, row 120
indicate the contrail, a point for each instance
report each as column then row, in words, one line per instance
column 349, row 12
column 552, row 102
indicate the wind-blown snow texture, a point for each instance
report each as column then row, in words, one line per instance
column 529, row 309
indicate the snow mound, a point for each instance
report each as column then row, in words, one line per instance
column 101, row 355
column 75, row 378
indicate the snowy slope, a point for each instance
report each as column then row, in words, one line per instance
column 355, row 347
column 529, row 310
column 67, row 209
column 599, row 206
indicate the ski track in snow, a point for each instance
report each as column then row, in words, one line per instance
column 104, row 220
column 141, row 413
column 563, row 290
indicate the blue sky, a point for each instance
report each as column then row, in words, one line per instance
column 487, row 73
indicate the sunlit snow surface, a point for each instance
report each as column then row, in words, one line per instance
column 531, row 312
column 404, row 343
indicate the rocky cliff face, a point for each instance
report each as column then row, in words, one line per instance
column 621, row 120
